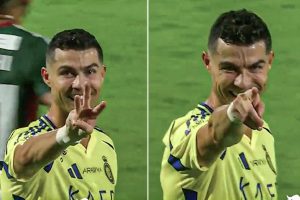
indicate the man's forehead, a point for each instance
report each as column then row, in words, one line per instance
column 257, row 49
column 60, row 54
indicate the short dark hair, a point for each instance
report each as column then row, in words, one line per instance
column 241, row 27
column 7, row 4
column 2, row 3
column 74, row 39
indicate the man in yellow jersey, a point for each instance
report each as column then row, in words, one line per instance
column 63, row 155
column 223, row 149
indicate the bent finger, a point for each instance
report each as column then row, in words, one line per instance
column 260, row 109
column 253, row 115
column 99, row 108
column 84, row 126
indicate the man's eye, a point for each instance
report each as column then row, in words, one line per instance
column 67, row 74
column 256, row 67
column 92, row 71
column 228, row 69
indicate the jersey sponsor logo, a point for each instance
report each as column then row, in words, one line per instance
column 10, row 42
column 294, row 197
column 91, row 170
column 244, row 188
column 5, row 62
column 107, row 170
column 258, row 162
column 89, row 196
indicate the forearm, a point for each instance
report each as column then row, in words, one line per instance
column 35, row 153
column 218, row 134
column 224, row 132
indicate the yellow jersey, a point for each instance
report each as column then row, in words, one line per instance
column 244, row 171
column 78, row 173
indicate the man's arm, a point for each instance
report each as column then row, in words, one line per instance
column 221, row 131
column 35, row 153
column 40, row 150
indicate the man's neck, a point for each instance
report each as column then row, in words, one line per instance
column 212, row 101
column 57, row 116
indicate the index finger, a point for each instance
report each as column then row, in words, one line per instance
column 77, row 100
column 252, row 93
column 86, row 96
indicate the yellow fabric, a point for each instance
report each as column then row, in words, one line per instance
column 246, row 170
column 76, row 174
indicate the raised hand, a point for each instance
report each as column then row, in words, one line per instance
column 82, row 120
column 247, row 108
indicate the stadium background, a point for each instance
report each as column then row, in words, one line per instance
column 178, row 79
column 120, row 26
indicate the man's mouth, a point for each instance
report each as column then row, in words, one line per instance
column 72, row 97
column 234, row 94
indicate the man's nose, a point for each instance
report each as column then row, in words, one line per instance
column 78, row 82
column 243, row 80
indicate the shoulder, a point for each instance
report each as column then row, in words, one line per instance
column 36, row 127
column 31, row 35
column 104, row 137
column 266, row 127
column 184, row 126
column 193, row 118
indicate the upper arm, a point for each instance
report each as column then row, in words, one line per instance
column 16, row 139
column 182, row 141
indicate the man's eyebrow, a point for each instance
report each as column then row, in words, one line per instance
column 227, row 63
column 70, row 67
column 257, row 63
column 64, row 67
column 92, row 65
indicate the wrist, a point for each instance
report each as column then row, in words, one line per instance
column 62, row 137
column 232, row 115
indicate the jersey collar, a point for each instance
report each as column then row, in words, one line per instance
column 46, row 119
column 6, row 23
column 204, row 106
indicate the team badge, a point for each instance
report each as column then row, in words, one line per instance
column 108, row 171
column 268, row 158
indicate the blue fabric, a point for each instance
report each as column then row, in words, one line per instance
column 189, row 194
column 176, row 163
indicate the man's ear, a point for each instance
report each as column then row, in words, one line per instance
column 103, row 71
column 270, row 59
column 45, row 75
column 206, row 60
